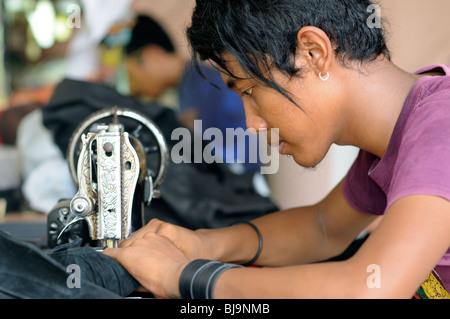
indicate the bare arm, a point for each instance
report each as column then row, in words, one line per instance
column 406, row 245
column 290, row 237
column 294, row 236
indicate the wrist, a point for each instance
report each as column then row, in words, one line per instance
column 260, row 242
column 238, row 243
column 175, row 279
column 213, row 247
column 199, row 277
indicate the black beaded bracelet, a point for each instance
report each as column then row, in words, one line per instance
column 199, row 277
column 259, row 245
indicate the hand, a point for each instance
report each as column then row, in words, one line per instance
column 156, row 254
column 192, row 243
column 154, row 261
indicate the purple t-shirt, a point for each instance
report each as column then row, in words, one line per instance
column 417, row 160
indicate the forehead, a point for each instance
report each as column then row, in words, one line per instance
column 233, row 73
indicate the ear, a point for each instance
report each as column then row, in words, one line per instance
column 315, row 48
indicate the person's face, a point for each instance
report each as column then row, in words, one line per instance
column 145, row 75
column 306, row 133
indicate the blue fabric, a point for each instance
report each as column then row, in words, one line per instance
column 217, row 105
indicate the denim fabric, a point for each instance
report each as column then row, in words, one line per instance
column 26, row 272
column 96, row 267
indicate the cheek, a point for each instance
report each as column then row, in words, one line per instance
column 269, row 105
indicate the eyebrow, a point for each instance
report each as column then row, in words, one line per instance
column 233, row 83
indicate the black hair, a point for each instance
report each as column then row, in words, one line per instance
column 263, row 33
column 148, row 32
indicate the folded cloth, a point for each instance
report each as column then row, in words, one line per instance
column 432, row 288
column 96, row 267
column 26, row 272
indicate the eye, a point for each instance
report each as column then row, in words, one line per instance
column 248, row 92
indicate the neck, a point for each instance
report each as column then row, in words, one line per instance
column 378, row 96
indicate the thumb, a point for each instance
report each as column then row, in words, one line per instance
column 111, row 252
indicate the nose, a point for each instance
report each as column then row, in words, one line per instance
column 253, row 120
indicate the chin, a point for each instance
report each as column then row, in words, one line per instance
column 307, row 161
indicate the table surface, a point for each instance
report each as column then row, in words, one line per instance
column 27, row 226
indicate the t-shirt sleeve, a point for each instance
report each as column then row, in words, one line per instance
column 423, row 160
column 360, row 190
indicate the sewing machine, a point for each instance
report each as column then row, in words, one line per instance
column 118, row 159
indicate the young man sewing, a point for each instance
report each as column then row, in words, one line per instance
column 316, row 71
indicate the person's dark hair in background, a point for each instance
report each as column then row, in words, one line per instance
column 148, row 32
column 153, row 63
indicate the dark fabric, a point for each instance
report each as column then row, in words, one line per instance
column 28, row 273
column 193, row 195
column 73, row 101
column 96, row 267
column 207, row 197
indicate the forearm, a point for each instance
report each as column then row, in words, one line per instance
column 289, row 237
column 324, row 280
column 294, row 236
column 343, row 279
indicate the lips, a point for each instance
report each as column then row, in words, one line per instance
column 281, row 147
column 274, row 143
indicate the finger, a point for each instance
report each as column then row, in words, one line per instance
column 151, row 227
column 154, row 225
column 127, row 242
column 111, row 252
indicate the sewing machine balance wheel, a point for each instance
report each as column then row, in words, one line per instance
column 145, row 137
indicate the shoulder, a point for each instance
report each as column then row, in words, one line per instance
column 423, row 156
column 429, row 117
column 435, row 88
